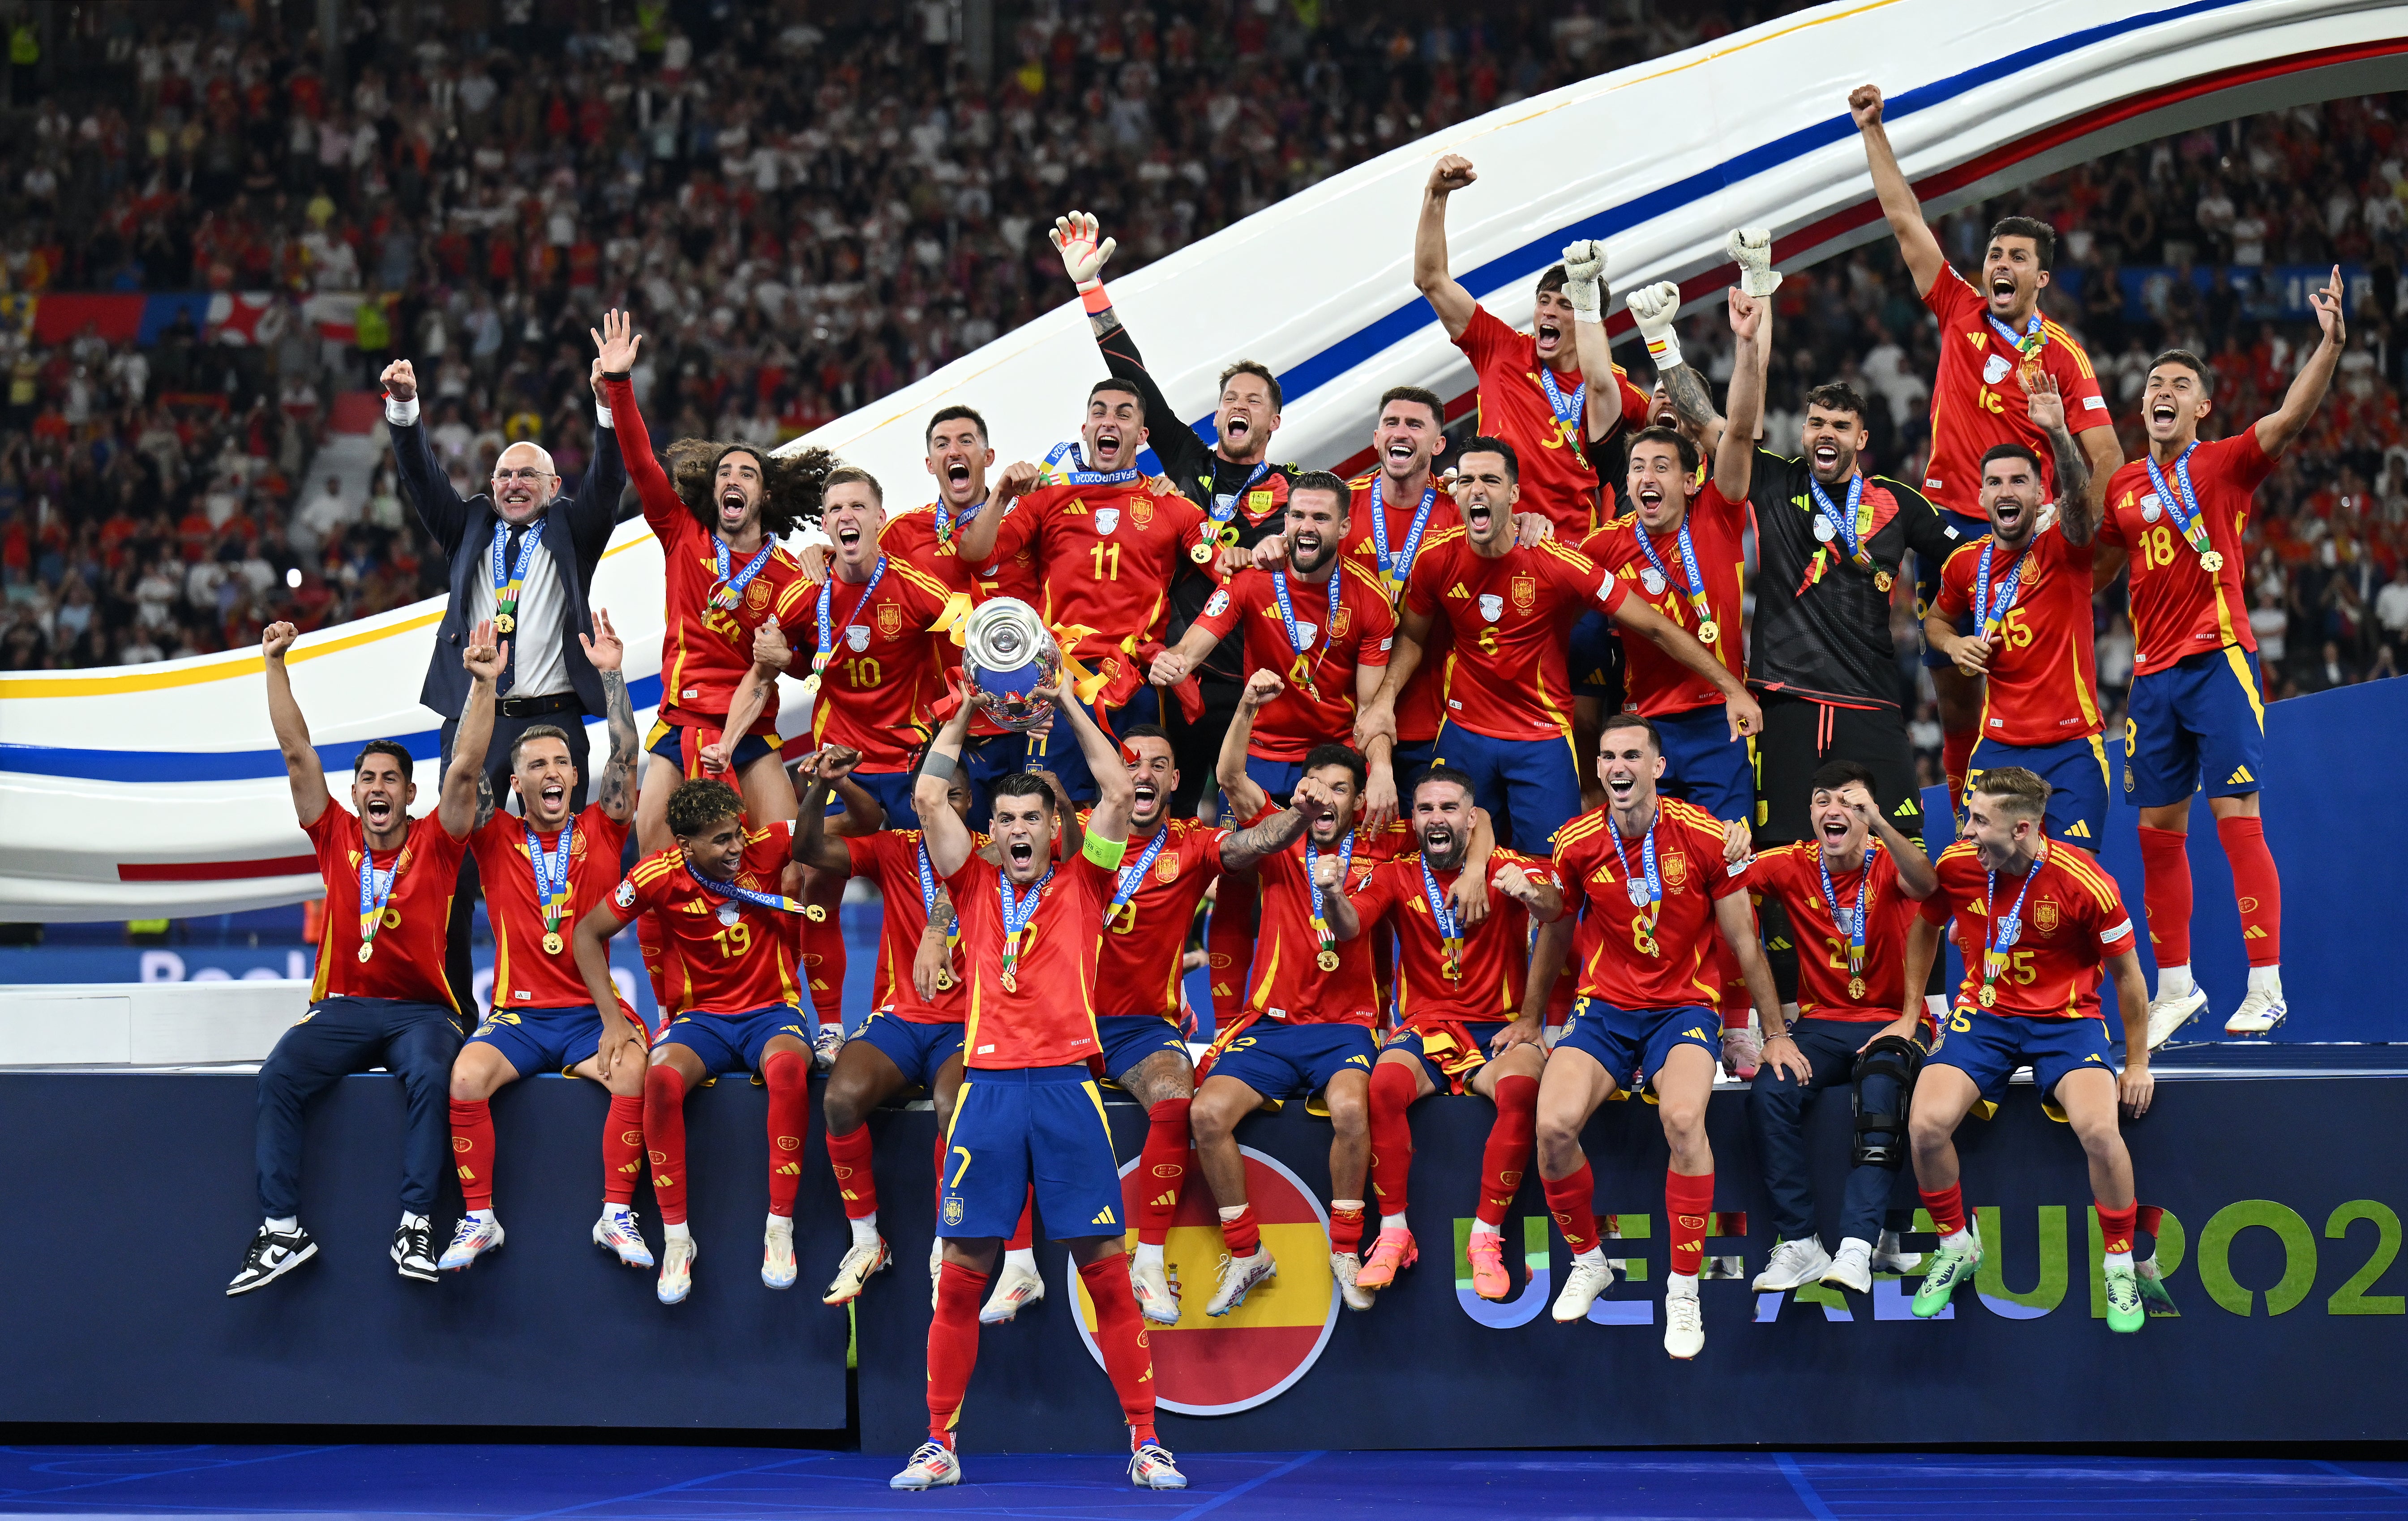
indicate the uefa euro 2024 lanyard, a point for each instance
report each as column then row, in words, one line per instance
column 2005, row 933
column 1017, row 912
column 510, row 579
column 1989, row 611
column 1832, row 522
column 1450, row 929
column 1647, row 890
column 551, row 881
column 1397, row 566
column 776, row 901
column 1322, row 932
column 1132, row 876
column 1295, row 641
column 728, row 591
column 376, row 890
column 928, row 905
column 826, row 627
column 2029, row 344
column 1656, row 577
column 1567, row 411
column 1852, row 925
column 2182, row 506
column 1224, row 511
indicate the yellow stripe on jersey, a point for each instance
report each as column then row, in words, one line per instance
column 921, row 579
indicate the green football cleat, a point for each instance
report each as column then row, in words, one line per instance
column 2124, row 1312
column 1949, row 1268
column 2155, row 1297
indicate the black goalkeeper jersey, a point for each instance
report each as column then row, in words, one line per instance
column 1822, row 620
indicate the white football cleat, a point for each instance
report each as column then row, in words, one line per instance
column 1239, row 1276
column 1581, row 1286
column 861, row 1259
column 472, row 1240
column 826, row 1046
column 617, row 1231
column 1684, row 1324
column 1853, row 1268
column 1157, row 1297
column 2168, row 1015
column 777, row 1255
column 1888, row 1258
column 1016, row 1287
column 676, row 1268
column 1344, row 1266
column 933, row 1466
column 1152, row 1467
column 2260, row 1012
column 1793, row 1263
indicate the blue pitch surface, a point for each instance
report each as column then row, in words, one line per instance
column 739, row 1484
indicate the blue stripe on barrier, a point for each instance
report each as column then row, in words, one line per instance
column 1310, row 373
column 153, row 766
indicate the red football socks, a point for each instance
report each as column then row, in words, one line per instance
column 622, row 1148
column 2116, row 1227
column 1025, row 1231
column 472, row 1151
column 1120, row 1336
column 849, row 1158
column 1956, row 754
column 1572, row 1201
column 1687, row 1204
column 1392, row 1135
column 952, row 1346
column 787, row 1073
column 664, row 1139
column 1345, row 1230
column 2256, row 886
column 1946, row 1207
column 2165, row 891
column 1507, row 1156
column 1241, row 1235
column 1163, row 1166
column 823, row 947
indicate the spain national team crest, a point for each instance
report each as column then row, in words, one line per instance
column 1525, row 592
column 1107, row 518
column 1339, row 624
column 757, row 595
column 2047, row 915
column 1675, row 869
column 1141, row 511
column 1166, row 869
column 890, row 618
column 1257, row 1351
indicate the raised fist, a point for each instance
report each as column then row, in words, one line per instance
column 1751, row 249
column 1082, row 255
column 1584, row 278
column 400, row 380
column 275, row 639
column 1261, row 688
column 1451, row 174
column 1657, row 309
column 1865, row 105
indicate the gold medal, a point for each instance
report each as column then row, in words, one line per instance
column 1708, row 633
column 1326, row 961
column 503, row 623
column 944, row 980
column 1855, row 987
column 1882, row 580
column 2212, row 561
column 551, row 942
column 1646, row 943
column 1011, row 982
column 368, row 948
column 1989, row 995
column 812, row 685
column 1201, row 554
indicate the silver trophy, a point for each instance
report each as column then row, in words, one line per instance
column 1006, row 653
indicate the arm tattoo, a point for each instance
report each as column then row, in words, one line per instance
column 1690, row 398
column 1272, row 835
column 619, row 771
column 484, row 798
column 1103, row 324
column 2074, row 515
column 941, row 916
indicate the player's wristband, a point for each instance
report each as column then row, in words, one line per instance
column 1091, row 296
column 1102, row 852
column 940, row 766
column 1664, row 349
column 616, row 375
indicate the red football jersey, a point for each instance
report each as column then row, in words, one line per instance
column 1621, row 969
column 1137, row 970
column 891, row 858
column 2179, row 607
column 1417, row 707
column 1556, row 478
column 525, row 975
column 1655, row 684
column 2043, row 688
column 1287, row 980
column 887, row 664
column 1976, row 401
column 1508, row 675
column 706, row 651
column 1792, row 876
column 1318, row 706
column 408, row 962
column 731, row 957
column 1105, row 556
column 911, row 536
column 1049, row 1018
column 1495, row 962
column 2073, row 918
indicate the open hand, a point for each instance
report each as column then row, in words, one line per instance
column 604, row 649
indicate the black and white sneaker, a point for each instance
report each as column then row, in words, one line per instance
column 272, row 1255
column 413, row 1249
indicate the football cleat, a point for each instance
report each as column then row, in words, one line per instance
column 932, row 1467
column 1347, row 1269
column 1951, row 1268
column 472, row 1240
column 826, row 1046
column 1152, row 1467
column 1742, row 1052
column 617, row 1231
column 1239, row 1276
column 1157, row 1293
column 676, row 1268
column 2259, row 1012
column 1489, row 1279
column 2124, row 1310
column 861, row 1259
column 2168, row 1015
column 1016, row 1287
column 413, row 1249
column 1393, row 1252
column 1684, row 1324
column 2155, row 1297
column 777, row 1255
column 1793, row 1264
column 1852, row 1269
column 1887, row 1257
column 272, row 1255
column 1581, row 1286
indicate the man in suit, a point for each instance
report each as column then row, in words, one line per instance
column 522, row 555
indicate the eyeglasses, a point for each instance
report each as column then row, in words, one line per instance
column 529, row 474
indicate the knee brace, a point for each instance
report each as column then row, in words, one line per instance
column 1881, row 1084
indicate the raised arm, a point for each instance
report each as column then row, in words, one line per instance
column 1246, row 797
column 664, row 509
column 301, row 766
column 974, row 541
column 1916, row 877
column 947, row 838
column 1447, row 297
column 596, row 509
column 1585, row 288
column 467, row 798
column 1328, row 871
column 2276, row 429
column 1077, row 238
column 615, row 788
column 813, row 846
column 423, row 480
column 2077, row 504
column 1915, row 243
column 1115, row 793
column 1751, row 323
column 1241, row 847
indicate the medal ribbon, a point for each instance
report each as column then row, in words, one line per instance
column 1984, row 605
column 1287, row 621
column 376, row 890
column 1450, row 931
column 1567, row 413
column 1321, row 930
column 1016, row 916
column 2181, row 503
column 729, row 591
column 1397, row 566
column 777, row 900
column 826, row 650
column 1132, row 876
column 1652, row 882
column 2030, row 345
column 508, row 579
column 947, row 525
column 1225, row 504
column 1077, row 474
column 1697, row 587
column 551, row 874
column 2003, row 933
column 1846, row 524
column 1853, row 928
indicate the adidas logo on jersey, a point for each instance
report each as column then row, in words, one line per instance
column 1105, row 1218
column 1458, row 593
column 1905, row 810
column 2239, row 778
column 1077, row 507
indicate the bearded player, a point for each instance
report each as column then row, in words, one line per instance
column 1029, row 1109
column 538, row 869
column 1460, row 1029
column 1652, row 873
column 2036, row 922
column 2197, row 711
column 1986, row 337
